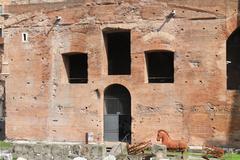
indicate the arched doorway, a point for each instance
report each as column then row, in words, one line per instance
column 233, row 60
column 117, row 113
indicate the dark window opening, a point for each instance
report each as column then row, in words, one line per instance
column 2, row 111
column 118, row 52
column 1, row 50
column 77, row 68
column 160, row 66
column 1, row 32
column 233, row 61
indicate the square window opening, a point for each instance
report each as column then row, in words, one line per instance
column 76, row 66
column 160, row 66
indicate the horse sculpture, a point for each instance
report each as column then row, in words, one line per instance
column 171, row 144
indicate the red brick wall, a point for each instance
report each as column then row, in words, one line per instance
column 197, row 107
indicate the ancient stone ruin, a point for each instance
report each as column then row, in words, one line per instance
column 120, row 70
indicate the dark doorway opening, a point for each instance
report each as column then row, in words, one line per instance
column 117, row 113
column 118, row 52
column 2, row 110
column 233, row 60
column 160, row 66
column 1, row 32
column 77, row 67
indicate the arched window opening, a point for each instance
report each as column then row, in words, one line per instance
column 160, row 66
column 233, row 60
column 76, row 66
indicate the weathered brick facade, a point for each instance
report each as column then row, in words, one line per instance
column 197, row 107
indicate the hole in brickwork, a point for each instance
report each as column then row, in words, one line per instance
column 24, row 37
column 118, row 52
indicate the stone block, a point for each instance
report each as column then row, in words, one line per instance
column 159, row 150
column 122, row 157
column 110, row 157
column 20, row 158
column 195, row 149
column 38, row 148
column 134, row 157
column 84, row 150
column 158, row 147
column 56, row 150
column 17, row 149
column 120, row 149
column 6, row 155
column 47, row 149
column 76, row 149
column 97, row 151
column 66, row 150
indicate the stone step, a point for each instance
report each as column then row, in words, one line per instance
column 195, row 149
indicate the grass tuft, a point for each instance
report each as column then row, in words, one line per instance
column 231, row 156
column 5, row 145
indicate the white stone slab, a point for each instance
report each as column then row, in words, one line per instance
column 110, row 157
column 79, row 158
